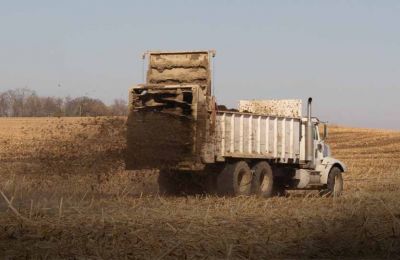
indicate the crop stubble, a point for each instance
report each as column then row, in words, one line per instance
column 65, row 180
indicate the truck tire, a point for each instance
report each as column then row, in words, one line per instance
column 334, row 186
column 175, row 183
column 210, row 183
column 279, row 189
column 235, row 179
column 263, row 180
column 167, row 183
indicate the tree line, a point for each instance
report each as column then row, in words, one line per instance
column 24, row 102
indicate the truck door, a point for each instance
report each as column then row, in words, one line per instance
column 318, row 145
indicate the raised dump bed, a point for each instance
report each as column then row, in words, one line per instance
column 169, row 119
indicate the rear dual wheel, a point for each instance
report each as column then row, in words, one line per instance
column 168, row 183
column 174, row 182
column 238, row 179
column 235, row 179
column 263, row 180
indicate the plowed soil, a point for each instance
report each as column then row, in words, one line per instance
column 65, row 193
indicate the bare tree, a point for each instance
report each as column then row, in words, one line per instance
column 119, row 107
column 32, row 106
column 85, row 106
column 51, row 106
column 5, row 102
column 25, row 102
column 18, row 98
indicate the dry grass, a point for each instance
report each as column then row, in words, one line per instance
column 69, row 196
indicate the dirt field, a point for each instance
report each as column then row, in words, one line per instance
column 65, row 194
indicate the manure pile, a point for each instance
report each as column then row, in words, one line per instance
column 190, row 68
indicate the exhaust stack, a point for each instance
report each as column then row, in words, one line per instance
column 309, row 137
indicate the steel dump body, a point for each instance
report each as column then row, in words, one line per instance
column 247, row 135
column 164, row 140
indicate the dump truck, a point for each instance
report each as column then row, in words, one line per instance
column 265, row 147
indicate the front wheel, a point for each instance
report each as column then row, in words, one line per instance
column 335, row 183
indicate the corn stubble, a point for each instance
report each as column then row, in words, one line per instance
column 65, row 194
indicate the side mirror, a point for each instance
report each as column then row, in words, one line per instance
column 325, row 131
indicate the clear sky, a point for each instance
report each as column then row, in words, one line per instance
column 345, row 54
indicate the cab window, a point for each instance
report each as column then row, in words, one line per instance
column 315, row 132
